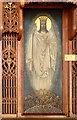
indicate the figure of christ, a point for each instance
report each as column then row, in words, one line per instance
column 41, row 56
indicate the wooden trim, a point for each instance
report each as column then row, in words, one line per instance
column 16, row 74
column 70, row 80
column 43, row 116
column 21, row 67
column 0, row 61
column 71, row 22
column 22, row 64
column 67, row 29
column 44, row 4
column 8, row 115
column 65, row 64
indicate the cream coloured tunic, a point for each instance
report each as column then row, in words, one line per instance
column 41, row 59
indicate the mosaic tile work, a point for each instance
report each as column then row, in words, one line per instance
column 43, row 102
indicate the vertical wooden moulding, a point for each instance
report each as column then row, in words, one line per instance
column 22, row 40
column 19, row 80
column 71, row 22
column 65, row 64
column 16, row 75
column 70, row 80
column 0, row 60
column 21, row 67
column 72, row 44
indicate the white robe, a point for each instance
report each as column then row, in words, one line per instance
column 41, row 59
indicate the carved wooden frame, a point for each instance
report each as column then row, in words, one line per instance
column 68, row 26
column 66, row 38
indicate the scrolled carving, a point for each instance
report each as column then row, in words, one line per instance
column 9, row 73
column 10, row 33
column 10, row 17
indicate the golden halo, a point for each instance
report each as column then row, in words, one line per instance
column 48, row 24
